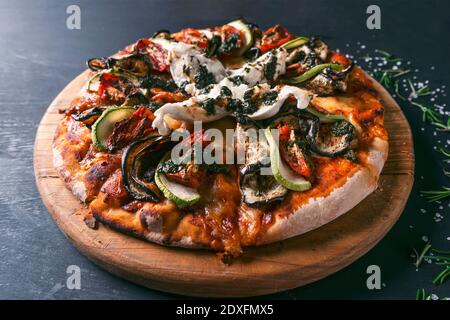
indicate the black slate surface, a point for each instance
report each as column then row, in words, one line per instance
column 39, row 56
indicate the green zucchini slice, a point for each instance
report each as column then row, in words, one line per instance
column 104, row 126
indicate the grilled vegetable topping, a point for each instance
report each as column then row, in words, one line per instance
column 213, row 46
column 325, row 117
column 137, row 126
column 104, row 126
column 163, row 34
column 139, row 161
column 114, row 86
column 297, row 42
column 333, row 139
column 182, row 195
column 258, row 187
column 282, row 173
column 135, row 64
column 314, row 71
column 258, row 190
column 89, row 116
column 274, row 37
column 247, row 33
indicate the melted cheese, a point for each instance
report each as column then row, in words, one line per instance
column 185, row 61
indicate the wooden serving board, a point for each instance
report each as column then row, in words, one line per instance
column 260, row 270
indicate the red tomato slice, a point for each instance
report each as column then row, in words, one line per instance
column 192, row 36
column 285, row 132
column 106, row 81
column 339, row 58
column 274, row 37
column 156, row 53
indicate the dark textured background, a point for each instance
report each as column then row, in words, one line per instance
column 39, row 56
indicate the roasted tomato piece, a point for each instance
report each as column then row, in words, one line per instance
column 338, row 57
column 137, row 126
column 192, row 36
column 274, row 37
column 295, row 69
column 232, row 40
column 106, row 80
column 156, row 53
column 190, row 175
column 284, row 132
column 161, row 96
column 293, row 154
column 114, row 88
column 197, row 136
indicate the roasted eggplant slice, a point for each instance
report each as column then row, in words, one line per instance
column 330, row 80
column 320, row 48
column 213, row 45
column 253, row 53
column 120, row 80
column 163, row 34
column 97, row 64
column 135, row 64
column 258, row 190
column 332, row 139
column 89, row 116
column 258, row 186
column 139, row 162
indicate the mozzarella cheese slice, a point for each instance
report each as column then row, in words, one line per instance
column 186, row 60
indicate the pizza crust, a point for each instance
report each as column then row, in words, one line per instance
column 320, row 211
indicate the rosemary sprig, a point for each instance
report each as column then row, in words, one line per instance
column 419, row 257
column 438, row 257
column 386, row 77
column 440, row 278
column 441, row 251
column 424, row 91
column 420, row 92
column 398, row 72
column 397, row 90
column 428, row 114
column 436, row 195
column 421, row 295
column 443, row 151
column 442, row 126
column 389, row 57
column 446, row 172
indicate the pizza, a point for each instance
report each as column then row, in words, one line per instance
column 222, row 138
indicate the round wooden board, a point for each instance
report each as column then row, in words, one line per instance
column 260, row 270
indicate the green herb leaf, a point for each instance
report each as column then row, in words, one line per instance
column 436, row 195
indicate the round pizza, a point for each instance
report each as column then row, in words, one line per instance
column 222, row 138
